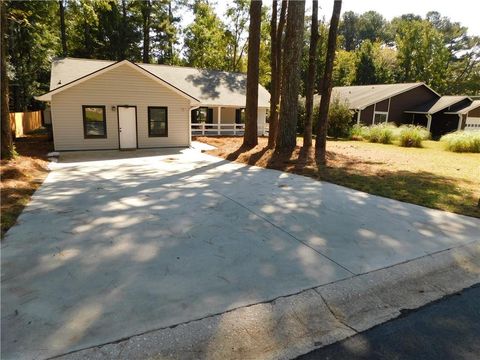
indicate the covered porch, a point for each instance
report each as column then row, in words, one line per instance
column 224, row 120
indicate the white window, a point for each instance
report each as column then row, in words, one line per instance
column 380, row 117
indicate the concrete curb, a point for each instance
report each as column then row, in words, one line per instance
column 293, row 325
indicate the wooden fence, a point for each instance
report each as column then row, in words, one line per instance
column 24, row 122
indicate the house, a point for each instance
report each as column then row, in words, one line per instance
column 373, row 104
column 410, row 103
column 98, row 104
column 468, row 116
column 440, row 116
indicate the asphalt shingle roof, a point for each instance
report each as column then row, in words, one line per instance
column 361, row 96
column 475, row 104
column 437, row 105
column 210, row 87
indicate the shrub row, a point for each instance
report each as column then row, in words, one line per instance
column 408, row 135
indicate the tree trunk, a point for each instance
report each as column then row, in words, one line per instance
column 273, row 71
column 307, row 134
column 6, row 138
column 321, row 141
column 287, row 132
column 276, row 55
column 250, row 137
column 170, row 39
column 146, row 13
column 63, row 31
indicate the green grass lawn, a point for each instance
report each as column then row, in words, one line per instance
column 428, row 176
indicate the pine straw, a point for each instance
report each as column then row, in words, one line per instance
column 21, row 176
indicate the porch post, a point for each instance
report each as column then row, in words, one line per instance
column 359, row 113
column 460, row 116
column 429, row 121
column 219, row 117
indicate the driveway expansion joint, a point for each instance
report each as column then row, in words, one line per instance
column 283, row 230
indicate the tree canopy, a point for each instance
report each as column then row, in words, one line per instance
column 432, row 49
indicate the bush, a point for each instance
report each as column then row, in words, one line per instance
column 339, row 119
column 382, row 133
column 462, row 141
column 359, row 132
column 412, row 135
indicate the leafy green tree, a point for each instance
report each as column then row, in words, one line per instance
column 321, row 54
column 349, row 30
column 464, row 52
column 82, row 20
column 339, row 118
column 166, row 29
column 344, row 68
column 33, row 41
column 264, row 56
column 422, row 54
column 372, row 26
column 237, row 16
column 386, row 67
column 366, row 72
column 117, row 35
column 205, row 40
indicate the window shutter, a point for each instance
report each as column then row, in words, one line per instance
column 238, row 116
column 194, row 116
column 210, row 116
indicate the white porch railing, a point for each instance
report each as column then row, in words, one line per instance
column 224, row 129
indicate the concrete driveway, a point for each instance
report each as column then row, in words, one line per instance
column 117, row 244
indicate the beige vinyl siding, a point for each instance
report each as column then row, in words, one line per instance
column 120, row 86
column 228, row 115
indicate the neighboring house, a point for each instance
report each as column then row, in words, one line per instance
column 373, row 104
column 439, row 116
column 410, row 103
column 98, row 104
column 469, row 116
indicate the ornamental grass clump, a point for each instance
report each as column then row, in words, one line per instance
column 382, row 133
column 462, row 141
column 359, row 132
column 412, row 135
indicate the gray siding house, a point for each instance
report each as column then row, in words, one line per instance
column 99, row 104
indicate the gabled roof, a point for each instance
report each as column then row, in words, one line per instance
column 475, row 104
column 59, row 85
column 438, row 105
column 208, row 87
column 361, row 96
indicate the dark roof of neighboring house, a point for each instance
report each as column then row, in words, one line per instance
column 361, row 96
column 437, row 105
column 464, row 110
column 209, row 87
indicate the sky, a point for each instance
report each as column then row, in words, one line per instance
column 464, row 11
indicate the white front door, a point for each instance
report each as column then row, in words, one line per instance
column 127, row 122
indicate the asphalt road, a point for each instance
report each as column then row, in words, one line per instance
column 447, row 329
